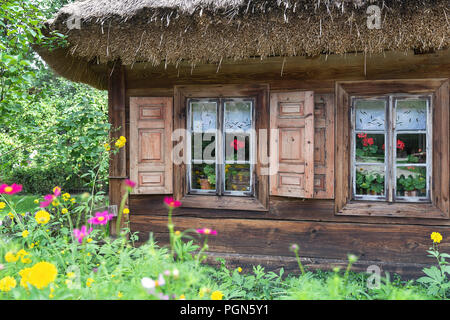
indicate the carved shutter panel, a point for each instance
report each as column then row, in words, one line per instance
column 151, row 145
column 292, row 148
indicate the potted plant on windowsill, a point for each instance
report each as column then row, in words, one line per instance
column 408, row 185
column 209, row 178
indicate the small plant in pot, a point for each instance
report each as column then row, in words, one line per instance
column 408, row 185
column 209, row 178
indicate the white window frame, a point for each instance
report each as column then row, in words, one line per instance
column 390, row 137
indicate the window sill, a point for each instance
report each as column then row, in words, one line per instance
column 395, row 210
column 222, row 202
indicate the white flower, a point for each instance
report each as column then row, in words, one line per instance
column 151, row 284
column 175, row 273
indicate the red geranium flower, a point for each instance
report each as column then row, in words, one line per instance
column 237, row 144
column 400, row 145
column 362, row 135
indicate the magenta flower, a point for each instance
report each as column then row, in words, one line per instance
column 57, row 191
column 101, row 218
column 80, row 234
column 12, row 189
column 207, row 231
column 130, row 183
column 171, row 202
column 48, row 199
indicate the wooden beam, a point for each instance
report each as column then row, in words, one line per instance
column 116, row 117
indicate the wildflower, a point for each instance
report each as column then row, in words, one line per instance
column 182, row 297
column 80, row 234
column 89, row 240
column 25, row 233
column 66, row 196
column 436, row 237
column 31, row 246
column 24, row 277
column 73, row 200
column 177, row 233
column 48, row 199
column 239, row 269
column 130, row 183
column 22, row 253
column 101, row 218
column 121, row 142
column 150, row 285
column 207, row 231
column 11, row 257
column 171, row 202
column 89, row 282
column 42, row 217
column 64, row 211
column 107, row 146
column 51, row 293
column 119, row 294
column 2, row 205
column 11, row 215
column 217, row 295
column 57, row 191
column 55, row 203
column 41, row 274
column 7, row 283
column 12, row 189
column 126, row 211
column 352, row 258
column 70, row 275
column 294, row 247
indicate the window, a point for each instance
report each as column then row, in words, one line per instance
column 391, row 144
column 220, row 146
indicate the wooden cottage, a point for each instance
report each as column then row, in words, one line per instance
column 321, row 123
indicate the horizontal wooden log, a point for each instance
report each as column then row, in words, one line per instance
column 281, row 208
column 374, row 242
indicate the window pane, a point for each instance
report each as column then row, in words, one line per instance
column 237, row 127
column 411, row 181
column 370, row 115
column 203, row 176
column 369, row 148
column 411, row 114
column 204, row 116
column 369, row 180
column 237, row 177
column 237, row 147
column 411, row 148
column 203, row 146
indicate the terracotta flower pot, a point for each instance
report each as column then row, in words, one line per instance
column 204, row 184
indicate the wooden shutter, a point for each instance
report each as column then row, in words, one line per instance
column 292, row 148
column 151, row 145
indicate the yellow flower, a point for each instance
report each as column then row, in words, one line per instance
column 119, row 294
column 11, row 215
column 239, row 269
column 121, row 142
column 70, row 275
column 31, row 246
column 436, row 237
column 64, row 211
column 126, row 211
column 7, row 283
column 11, row 257
column 36, row 201
column 88, row 254
column 88, row 241
column 56, row 189
column 24, row 273
column 217, row 295
column 182, row 297
column 42, row 274
column 25, row 233
column 89, row 282
column 51, row 293
column 55, row 203
column 177, row 233
column 42, row 217
column 73, row 200
column 107, row 146
column 22, row 253
column 66, row 196
column 2, row 205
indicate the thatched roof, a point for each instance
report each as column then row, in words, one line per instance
column 211, row 31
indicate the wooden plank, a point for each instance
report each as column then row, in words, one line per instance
column 117, row 117
column 372, row 209
column 222, row 202
column 375, row 242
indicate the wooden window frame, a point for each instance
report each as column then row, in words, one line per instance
column 260, row 199
column 440, row 191
column 390, row 133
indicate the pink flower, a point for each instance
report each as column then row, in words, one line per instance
column 130, row 183
column 57, row 191
column 12, row 189
column 80, row 234
column 48, row 199
column 207, row 231
column 101, row 218
column 171, row 202
column 237, row 144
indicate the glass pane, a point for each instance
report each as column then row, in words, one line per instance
column 237, row 126
column 411, row 114
column 237, row 177
column 369, row 148
column 238, row 116
column 203, row 176
column 204, row 116
column 203, row 146
column 237, row 147
column 369, row 180
column 411, row 148
column 370, row 115
column 411, row 181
